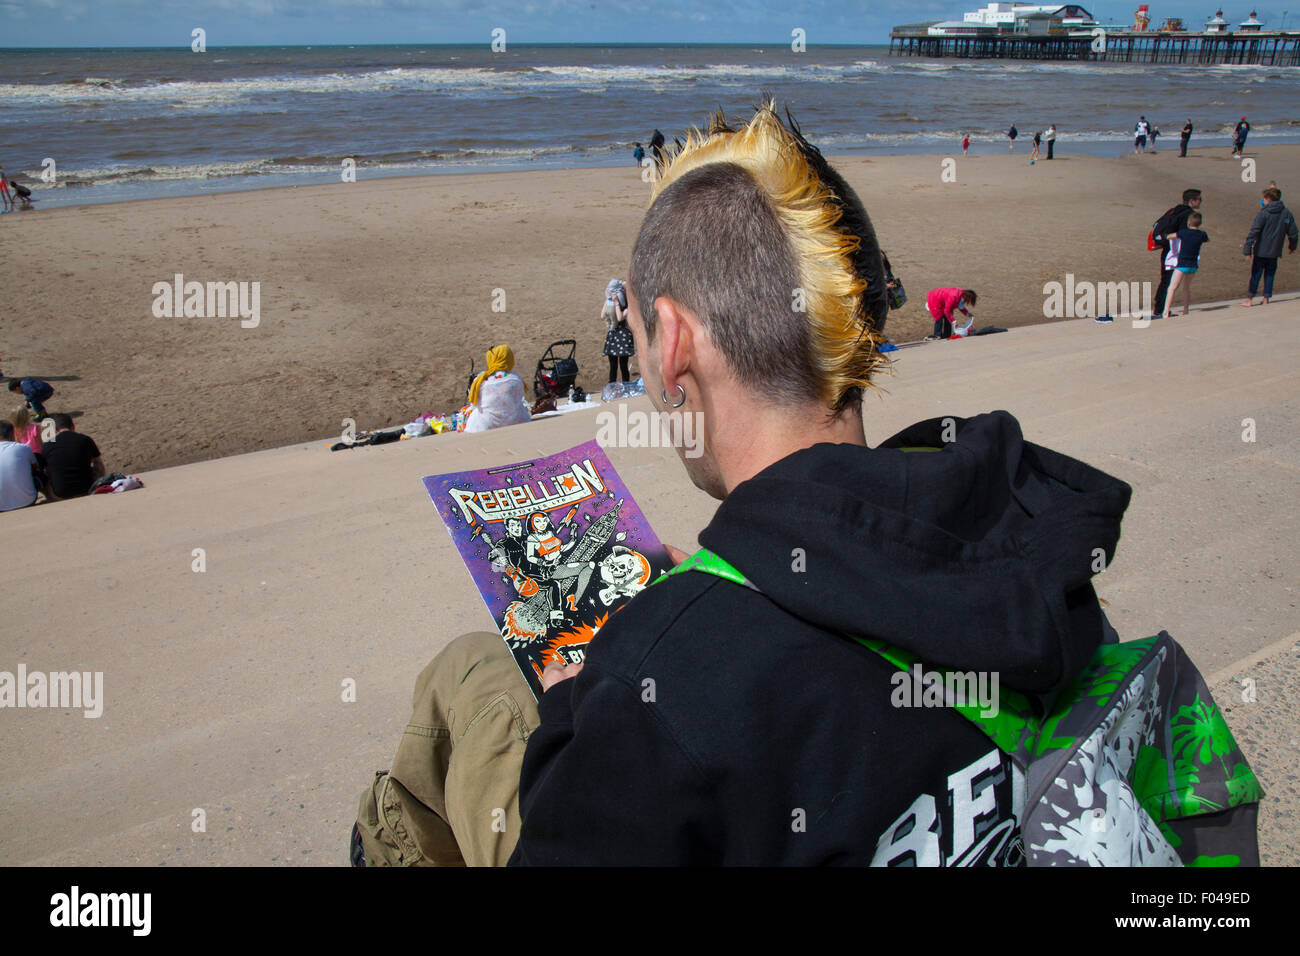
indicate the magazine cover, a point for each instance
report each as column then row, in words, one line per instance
column 555, row 546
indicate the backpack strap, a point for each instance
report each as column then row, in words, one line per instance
column 1012, row 726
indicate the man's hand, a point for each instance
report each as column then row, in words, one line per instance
column 676, row 555
column 555, row 672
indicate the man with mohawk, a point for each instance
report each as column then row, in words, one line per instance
column 732, row 716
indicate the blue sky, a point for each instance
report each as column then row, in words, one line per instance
column 275, row 22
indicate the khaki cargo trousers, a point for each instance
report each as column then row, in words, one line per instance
column 451, row 797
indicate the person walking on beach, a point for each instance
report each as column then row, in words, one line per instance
column 1155, row 135
column 1011, row 137
column 638, row 154
column 1140, row 135
column 1038, row 139
column 944, row 304
column 1165, row 228
column 1185, row 138
column 1239, row 138
column 1051, row 141
column 657, row 148
column 1273, row 227
column 965, row 144
column 619, row 346
column 1190, row 239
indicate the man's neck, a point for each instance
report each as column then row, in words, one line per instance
column 767, row 438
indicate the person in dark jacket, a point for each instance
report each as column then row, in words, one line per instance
column 1274, row 226
column 1165, row 228
column 716, row 721
column 36, row 392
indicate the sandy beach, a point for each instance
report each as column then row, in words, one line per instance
column 375, row 295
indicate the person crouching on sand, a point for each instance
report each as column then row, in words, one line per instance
column 944, row 304
column 1190, row 240
column 496, row 397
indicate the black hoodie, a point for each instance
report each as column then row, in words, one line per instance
column 717, row 724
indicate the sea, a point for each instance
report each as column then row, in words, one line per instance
column 106, row 125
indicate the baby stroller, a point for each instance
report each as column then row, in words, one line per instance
column 556, row 369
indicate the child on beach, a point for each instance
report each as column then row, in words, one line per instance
column 36, row 392
column 1188, row 250
column 1038, row 139
column 965, row 144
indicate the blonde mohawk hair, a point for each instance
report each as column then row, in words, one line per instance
column 834, row 244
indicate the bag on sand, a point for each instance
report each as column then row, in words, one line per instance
column 1133, row 765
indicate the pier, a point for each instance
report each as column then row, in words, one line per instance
column 1275, row 48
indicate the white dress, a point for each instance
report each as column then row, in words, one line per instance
column 500, row 402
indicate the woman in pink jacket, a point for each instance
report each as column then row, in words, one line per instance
column 944, row 304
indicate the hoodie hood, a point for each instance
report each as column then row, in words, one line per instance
column 975, row 556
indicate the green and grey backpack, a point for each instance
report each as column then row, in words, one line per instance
column 1130, row 750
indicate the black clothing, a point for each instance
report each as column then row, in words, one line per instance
column 715, row 724
column 68, row 456
column 1167, row 225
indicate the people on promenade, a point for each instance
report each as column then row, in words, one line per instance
column 73, row 459
column 26, row 431
column 1274, row 227
column 1188, row 251
column 684, row 737
column 20, row 474
column 1165, row 228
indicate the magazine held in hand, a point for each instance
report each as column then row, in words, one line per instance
column 555, row 546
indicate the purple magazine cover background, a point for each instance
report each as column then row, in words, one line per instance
column 585, row 568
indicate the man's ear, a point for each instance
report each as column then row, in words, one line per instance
column 674, row 341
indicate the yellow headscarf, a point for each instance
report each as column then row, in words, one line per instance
column 499, row 359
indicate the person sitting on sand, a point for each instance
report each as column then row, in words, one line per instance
column 944, row 304
column 1190, row 240
column 73, row 459
column 619, row 346
column 1274, row 226
column 729, row 713
column 35, row 391
column 26, row 432
column 20, row 474
column 496, row 396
